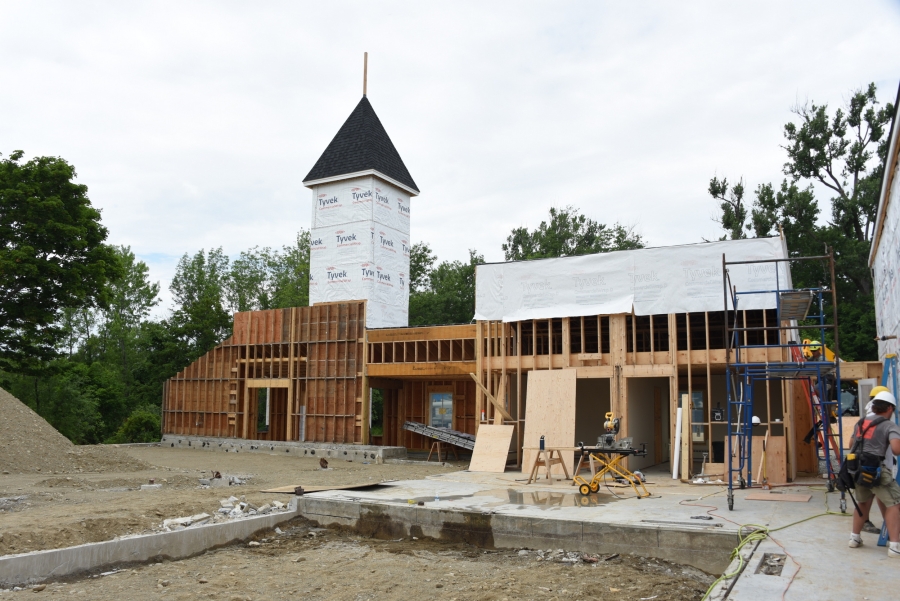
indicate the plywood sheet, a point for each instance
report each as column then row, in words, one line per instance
column 770, row 496
column 848, row 424
column 549, row 411
column 491, row 449
column 776, row 460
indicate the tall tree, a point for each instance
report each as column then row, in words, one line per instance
column 445, row 293
column 568, row 233
column 198, row 290
column 843, row 152
column 52, row 257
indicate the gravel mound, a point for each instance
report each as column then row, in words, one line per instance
column 28, row 444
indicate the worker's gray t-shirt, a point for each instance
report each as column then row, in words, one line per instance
column 878, row 437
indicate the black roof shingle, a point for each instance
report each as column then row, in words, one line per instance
column 361, row 144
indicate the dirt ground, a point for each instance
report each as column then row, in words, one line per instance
column 38, row 511
column 315, row 563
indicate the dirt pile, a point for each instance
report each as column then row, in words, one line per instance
column 29, row 444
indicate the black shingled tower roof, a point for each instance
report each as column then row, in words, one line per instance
column 360, row 145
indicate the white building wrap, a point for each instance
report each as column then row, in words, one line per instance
column 360, row 248
column 675, row 279
column 886, row 271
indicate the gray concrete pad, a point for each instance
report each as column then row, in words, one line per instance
column 503, row 511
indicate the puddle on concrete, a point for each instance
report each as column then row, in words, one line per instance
column 510, row 496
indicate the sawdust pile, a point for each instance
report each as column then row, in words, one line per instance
column 28, row 444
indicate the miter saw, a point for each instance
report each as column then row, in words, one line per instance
column 608, row 455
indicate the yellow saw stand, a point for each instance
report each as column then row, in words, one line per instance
column 608, row 455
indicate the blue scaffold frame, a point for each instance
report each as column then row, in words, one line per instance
column 820, row 377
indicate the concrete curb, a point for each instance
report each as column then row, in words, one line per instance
column 738, row 565
column 41, row 565
column 290, row 448
column 704, row 549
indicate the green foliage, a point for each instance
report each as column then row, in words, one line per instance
column 568, row 233
column 198, row 289
column 843, row 152
column 141, row 426
column 52, row 257
column 442, row 294
column 269, row 279
column 731, row 203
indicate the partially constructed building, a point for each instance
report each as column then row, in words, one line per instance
column 630, row 332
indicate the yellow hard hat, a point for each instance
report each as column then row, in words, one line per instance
column 878, row 389
column 815, row 345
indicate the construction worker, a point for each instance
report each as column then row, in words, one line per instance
column 888, row 460
column 815, row 349
column 877, row 440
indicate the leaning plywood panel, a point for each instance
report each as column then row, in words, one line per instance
column 550, row 412
column 491, row 449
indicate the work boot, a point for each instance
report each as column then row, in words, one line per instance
column 871, row 528
column 894, row 550
column 855, row 541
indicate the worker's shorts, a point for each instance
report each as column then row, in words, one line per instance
column 887, row 490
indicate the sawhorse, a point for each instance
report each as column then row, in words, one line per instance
column 545, row 458
column 436, row 446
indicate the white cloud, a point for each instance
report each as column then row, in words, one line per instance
column 194, row 124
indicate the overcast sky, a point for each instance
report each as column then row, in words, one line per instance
column 194, row 123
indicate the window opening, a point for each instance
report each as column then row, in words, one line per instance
column 441, row 409
column 262, row 412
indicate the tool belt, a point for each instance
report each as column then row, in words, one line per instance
column 861, row 468
column 869, row 472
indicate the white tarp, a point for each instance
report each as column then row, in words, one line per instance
column 675, row 279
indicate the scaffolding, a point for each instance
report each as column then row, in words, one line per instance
column 818, row 377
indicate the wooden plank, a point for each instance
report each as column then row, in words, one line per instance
column 320, row 488
column 775, row 496
column 497, row 405
column 268, row 382
column 550, row 411
column 420, row 370
column 455, row 332
column 491, row 449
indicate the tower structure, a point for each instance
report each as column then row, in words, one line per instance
column 361, row 221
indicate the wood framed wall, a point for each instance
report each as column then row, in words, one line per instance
column 688, row 348
column 312, row 356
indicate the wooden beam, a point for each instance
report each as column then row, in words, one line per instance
column 268, row 382
column 491, row 398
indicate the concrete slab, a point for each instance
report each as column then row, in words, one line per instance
column 505, row 512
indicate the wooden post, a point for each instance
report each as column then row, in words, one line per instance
column 479, row 366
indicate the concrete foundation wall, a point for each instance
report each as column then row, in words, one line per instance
column 296, row 449
column 42, row 565
column 703, row 548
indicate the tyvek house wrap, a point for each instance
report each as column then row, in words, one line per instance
column 886, row 269
column 652, row 281
column 361, row 199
